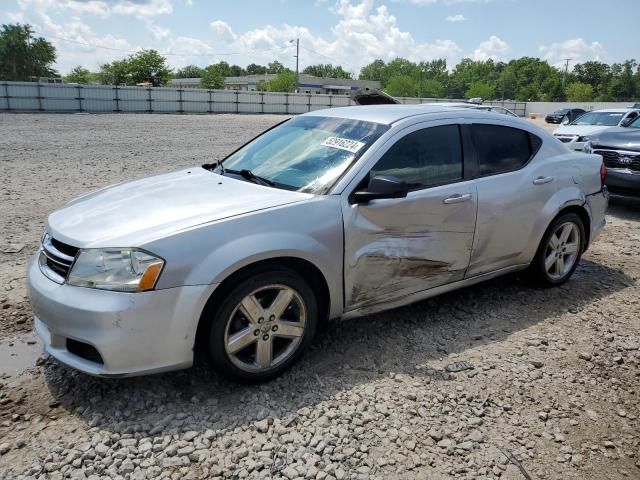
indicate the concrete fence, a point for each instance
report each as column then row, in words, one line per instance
column 45, row 97
column 28, row 97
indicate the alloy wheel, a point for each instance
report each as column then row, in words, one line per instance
column 562, row 250
column 265, row 328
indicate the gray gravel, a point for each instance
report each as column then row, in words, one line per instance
column 550, row 389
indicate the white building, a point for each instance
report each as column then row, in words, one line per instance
column 307, row 83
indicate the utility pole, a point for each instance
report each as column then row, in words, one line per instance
column 566, row 69
column 297, row 61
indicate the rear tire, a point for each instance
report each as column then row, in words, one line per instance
column 262, row 326
column 559, row 252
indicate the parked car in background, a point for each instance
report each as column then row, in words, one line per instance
column 620, row 149
column 334, row 213
column 559, row 115
column 575, row 134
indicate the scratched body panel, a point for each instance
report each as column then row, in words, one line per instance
column 394, row 248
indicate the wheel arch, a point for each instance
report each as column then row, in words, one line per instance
column 583, row 213
column 303, row 267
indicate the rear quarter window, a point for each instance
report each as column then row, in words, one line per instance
column 502, row 149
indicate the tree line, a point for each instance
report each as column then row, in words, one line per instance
column 25, row 57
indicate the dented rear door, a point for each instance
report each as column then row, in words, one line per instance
column 396, row 247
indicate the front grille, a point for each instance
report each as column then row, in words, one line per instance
column 56, row 258
column 620, row 159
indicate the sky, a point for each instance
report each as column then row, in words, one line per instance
column 351, row 33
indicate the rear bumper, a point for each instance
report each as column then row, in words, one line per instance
column 127, row 333
column 623, row 182
column 597, row 203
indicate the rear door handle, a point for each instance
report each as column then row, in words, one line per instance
column 457, row 198
column 542, row 180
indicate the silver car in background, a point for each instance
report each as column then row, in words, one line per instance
column 335, row 213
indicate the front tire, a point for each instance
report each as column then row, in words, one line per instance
column 262, row 326
column 560, row 251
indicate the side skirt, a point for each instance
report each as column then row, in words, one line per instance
column 432, row 292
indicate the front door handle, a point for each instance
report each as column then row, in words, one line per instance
column 542, row 180
column 457, row 198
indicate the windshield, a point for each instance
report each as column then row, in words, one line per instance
column 608, row 119
column 306, row 153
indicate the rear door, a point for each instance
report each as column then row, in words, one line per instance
column 396, row 247
column 512, row 193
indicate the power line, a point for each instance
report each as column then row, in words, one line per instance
column 167, row 54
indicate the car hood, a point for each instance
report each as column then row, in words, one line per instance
column 578, row 129
column 134, row 213
column 619, row 138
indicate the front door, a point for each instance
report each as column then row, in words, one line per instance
column 396, row 247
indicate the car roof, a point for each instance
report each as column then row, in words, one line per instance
column 614, row 110
column 388, row 114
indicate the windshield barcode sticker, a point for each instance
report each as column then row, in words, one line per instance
column 343, row 144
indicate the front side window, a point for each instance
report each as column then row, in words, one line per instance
column 307, row 153
column 502, row 149
column 635, row 123
column 424, row 158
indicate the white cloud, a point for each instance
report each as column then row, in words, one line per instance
column 456, row 18
column 494, row 48
column 101, row 8
column 157, row 32
column 577, row 50
column 361, row 34
column 142, row 8
column 222, row 30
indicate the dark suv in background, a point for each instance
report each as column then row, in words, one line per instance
column 570, row 113
column 620, row 150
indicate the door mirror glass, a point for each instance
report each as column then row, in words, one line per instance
column 382, row 186
column 565, row 120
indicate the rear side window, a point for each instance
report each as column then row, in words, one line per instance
column 502, row 149
column 424, row 158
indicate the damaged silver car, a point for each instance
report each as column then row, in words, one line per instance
column 335, row 213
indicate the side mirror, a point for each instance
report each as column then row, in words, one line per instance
column 381, row 187
column 565, row 120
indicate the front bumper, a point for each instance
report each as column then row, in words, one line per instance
column 133, row 333
column 623, row 182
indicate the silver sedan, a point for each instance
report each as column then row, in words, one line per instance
column 335, row 213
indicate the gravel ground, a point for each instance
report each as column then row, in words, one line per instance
column 551, row 390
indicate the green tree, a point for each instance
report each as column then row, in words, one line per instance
column 326, row 70
column 276, row 67
column 115, row 73
column 431, row 88
column 401, row 86
column 285, row 81
column 144, row 66
column 24, row 57
column 79, row 75
column 212, row 77
column 255, row 69
column 190, row 71
column 579, row 92
column 480, row 89
column 374, row 71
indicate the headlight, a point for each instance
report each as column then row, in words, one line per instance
column 583, row 139
column 119, row 269
column 587, row 148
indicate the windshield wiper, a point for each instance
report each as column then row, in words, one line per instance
column 248, row 175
